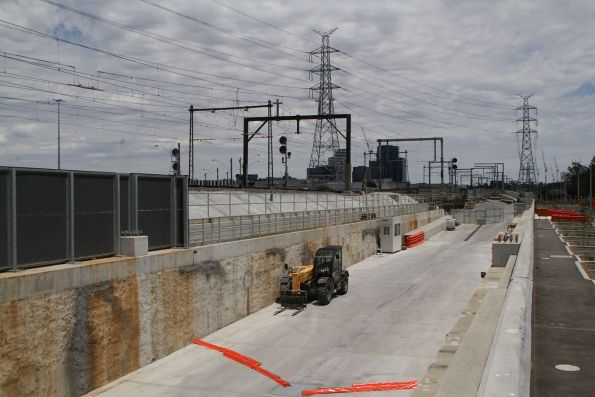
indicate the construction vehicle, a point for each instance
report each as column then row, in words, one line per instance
column 319, row 281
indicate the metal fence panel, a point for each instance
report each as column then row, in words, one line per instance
column 4, row 226
column 181, row 183
column 154, row 210
column 124, row 204
column 215, row 230
column 491, row 215
column 41, row 217
column 93, row 215
column 55, row 216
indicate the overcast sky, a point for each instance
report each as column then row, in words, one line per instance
column 418, row 68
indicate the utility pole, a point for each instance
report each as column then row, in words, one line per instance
column 270, row 148
column 527, row 162
column 326, row 139
column 58, row 101
column 231, row 169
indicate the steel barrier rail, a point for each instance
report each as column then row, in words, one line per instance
column 228, row 204
column 491, row 215
column 222, row 229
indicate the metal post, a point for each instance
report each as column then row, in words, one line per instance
column 245, row 158
column 441, row 163
column 186, row 219
column 348, row 155
column 70, row 216
column 191, row 145
column 173, row 208
column 231, row 170
column 116, row 218
column 133, row 202
column 12, row 218
column 379, row 160
column 58, row 101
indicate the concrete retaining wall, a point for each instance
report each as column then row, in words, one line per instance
column 68, row 329
column 508, row 369
column 434, row 227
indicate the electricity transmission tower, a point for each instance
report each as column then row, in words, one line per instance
column 527, row 165
column 326, row 139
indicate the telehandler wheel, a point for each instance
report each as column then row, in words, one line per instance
column 344, row 287
column 326, row 294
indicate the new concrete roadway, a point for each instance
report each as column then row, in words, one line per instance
column 389, row 327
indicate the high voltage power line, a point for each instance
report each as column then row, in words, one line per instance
column 488, row 103
column 295, row 87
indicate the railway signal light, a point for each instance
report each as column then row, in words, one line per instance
column 175, row 161
column 283, row 147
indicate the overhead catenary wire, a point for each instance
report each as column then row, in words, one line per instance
column 177, row 70
column 168, row 40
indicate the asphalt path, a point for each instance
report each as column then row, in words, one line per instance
column 563, row 359
column 388, row 328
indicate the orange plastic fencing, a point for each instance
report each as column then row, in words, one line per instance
column 414, row 239
column 562, row 215
column 542, row 211
column 363, row 387
column 247, row 361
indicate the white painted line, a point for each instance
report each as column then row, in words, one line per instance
column 567, row 367
column 582, row 271
column 561, row 256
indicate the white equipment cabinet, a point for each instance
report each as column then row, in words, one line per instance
column 390, row 234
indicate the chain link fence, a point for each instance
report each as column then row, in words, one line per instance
column 221, row 229
column 53, row 216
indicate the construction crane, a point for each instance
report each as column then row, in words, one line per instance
column 369, row 153
column 557, row 170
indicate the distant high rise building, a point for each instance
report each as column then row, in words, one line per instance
column 392, row 165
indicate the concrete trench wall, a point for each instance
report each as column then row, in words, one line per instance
column 68, row 329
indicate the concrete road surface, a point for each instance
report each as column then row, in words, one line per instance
column 389, row 327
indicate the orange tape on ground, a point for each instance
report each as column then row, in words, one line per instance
column 241, row 359
column 363, row 387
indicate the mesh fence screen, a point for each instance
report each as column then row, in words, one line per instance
column 154, row 210
column 93, row 215
column 41, row 217
column 4, row 220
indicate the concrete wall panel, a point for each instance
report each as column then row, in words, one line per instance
column 68, row 329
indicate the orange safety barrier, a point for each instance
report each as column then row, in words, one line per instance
column 562, row 215
column 363, row 387
column 247, row 361
column 542, row 211
column 413, row 239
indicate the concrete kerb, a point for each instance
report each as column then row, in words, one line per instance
column 508, row 370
